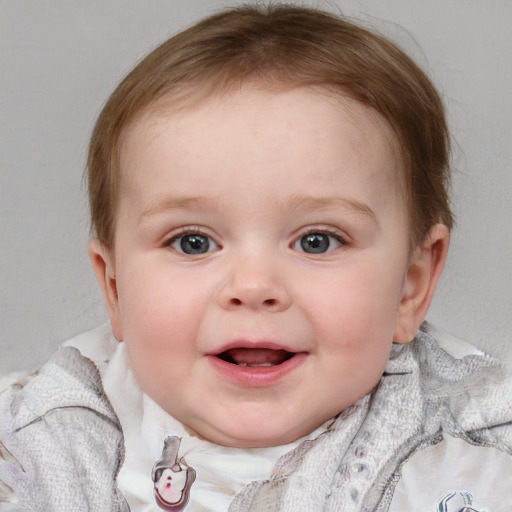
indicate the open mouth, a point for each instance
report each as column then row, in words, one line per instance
column 255, row 357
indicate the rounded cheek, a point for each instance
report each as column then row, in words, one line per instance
column 160, row 327
column 158, row 303
column 351, row 375
column 353, row 320
column 161, row 366
column 354, row 334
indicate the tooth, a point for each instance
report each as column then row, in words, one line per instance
column 255, row 365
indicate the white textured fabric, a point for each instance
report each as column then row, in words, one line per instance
column 454, row 465
column 452, row 345
column 60, row 440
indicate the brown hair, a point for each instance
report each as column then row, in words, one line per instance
column 282, row 46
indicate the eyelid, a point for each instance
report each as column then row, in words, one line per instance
column 324, row 230
column 340, row 236
column 174, row 235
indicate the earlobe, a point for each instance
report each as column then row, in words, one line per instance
column 420, row 283
column 102, row 260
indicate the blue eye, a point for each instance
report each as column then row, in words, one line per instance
column 317, row 243
column 193, row 244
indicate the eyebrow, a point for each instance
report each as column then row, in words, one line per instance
column 171, row 203
column 293, row 203
column 298, row 202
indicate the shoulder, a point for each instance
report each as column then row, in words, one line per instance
column 66, row 380
column 467, row 403
column 97, row 344
column 467, row 389
column 70, row 378
column 58, row 425
column 457, row 348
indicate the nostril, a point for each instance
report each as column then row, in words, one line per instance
column 267, row 302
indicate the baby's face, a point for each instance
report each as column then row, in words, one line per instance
column 261, row 255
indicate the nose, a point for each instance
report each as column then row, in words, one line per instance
column 255, row 285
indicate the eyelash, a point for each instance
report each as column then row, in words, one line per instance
column 335, row 233
column 196, row 230
column 330, row 232
column 189, row 230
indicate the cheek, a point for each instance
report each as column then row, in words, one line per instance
column 354, row 328
column 354, row 306
column 151, row 293
column 160, row 334
column 161, row 316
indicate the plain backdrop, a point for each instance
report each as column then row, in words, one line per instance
column 59, row 60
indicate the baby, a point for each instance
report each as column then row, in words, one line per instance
column 268, row 193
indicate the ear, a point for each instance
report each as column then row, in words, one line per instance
column 102, row 259
column 420, row 283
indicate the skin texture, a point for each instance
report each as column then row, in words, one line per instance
column 255, row 171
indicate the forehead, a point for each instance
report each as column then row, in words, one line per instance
column 256, row 128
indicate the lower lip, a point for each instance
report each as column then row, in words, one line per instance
column 257, row 376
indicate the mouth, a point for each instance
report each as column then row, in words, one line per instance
column 256, row 364
column 255, row 357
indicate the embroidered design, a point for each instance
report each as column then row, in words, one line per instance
column 172, row 478
column 461, row 501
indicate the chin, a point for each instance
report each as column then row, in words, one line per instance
column 261, row 442
column 257, row 436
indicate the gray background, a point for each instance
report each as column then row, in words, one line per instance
column 59, row 59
